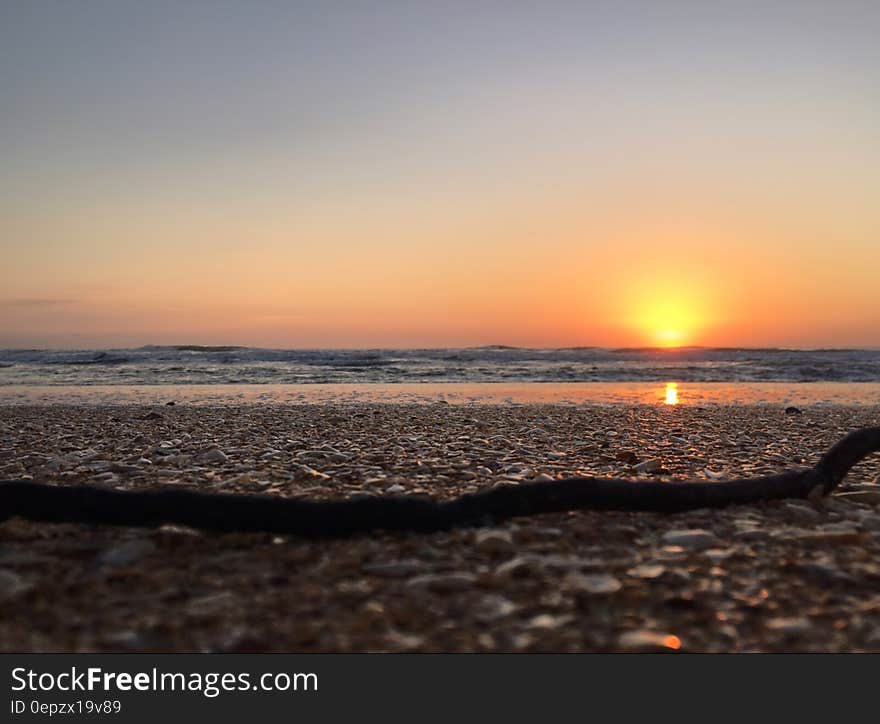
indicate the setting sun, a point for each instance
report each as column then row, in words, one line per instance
column 667, row 300
column 670, row 337
column 669, row 321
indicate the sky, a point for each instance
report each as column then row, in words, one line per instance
column 432, row 174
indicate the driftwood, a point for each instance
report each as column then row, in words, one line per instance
column 333, row 519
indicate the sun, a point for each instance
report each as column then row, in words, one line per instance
column 668, row 321
column 668, row 303
column 670, row 337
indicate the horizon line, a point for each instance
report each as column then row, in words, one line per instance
column 610, row 348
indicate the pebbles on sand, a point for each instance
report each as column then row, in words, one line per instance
column 692, row 540
column 737, row 579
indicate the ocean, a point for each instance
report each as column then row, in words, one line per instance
column 198, row 365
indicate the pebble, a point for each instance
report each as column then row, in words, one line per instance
column 869, row 497
column 443, row 582
column 129, row 640
column 647, row 571
column 802, row 512
column 308, row 472
column 825, row 572
column 718, row 555
column 592, row 584
column 505, row 483
column 846, row 535
column 393, row 569
column 793, row 410
column 517, row 567
column 401, row 640
column 648, row 466
column 789, row 626
column 694, row 539
column 126, row 469
column 494, row 542
column 648, row 641
column 214, row 455
column 752, row 534
column 870, row 522
column 11, row 584
column 671, row 553
column 212, row 603
column 548, row 622
column 493, row 607
column 126, row 553
column 395, row 489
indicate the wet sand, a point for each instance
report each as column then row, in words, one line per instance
column 455, row 393
column 785, row 576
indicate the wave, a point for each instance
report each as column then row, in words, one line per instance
column 200, row 364
column 200, row 348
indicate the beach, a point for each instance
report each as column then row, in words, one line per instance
column 780, row 576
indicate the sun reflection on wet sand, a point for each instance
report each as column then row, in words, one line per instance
column 490, row 393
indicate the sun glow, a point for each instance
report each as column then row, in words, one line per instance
column 671, row 393
column 670, row 337
column 669, row 318
column 669, row 298
column 670, row 321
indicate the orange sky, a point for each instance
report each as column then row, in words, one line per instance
column 534, row 180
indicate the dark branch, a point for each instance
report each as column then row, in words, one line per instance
column 332, row 519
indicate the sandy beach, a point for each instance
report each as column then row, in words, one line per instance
column 787, row 576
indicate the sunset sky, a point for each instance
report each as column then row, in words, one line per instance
column 376, row 174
